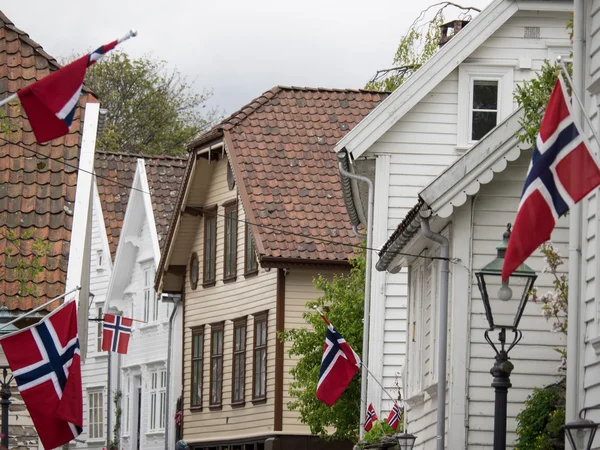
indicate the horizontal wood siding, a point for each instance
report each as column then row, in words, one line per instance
column 593, row 41
column 226, row 302
column 535, row 360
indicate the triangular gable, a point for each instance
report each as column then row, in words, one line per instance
column 447, row 59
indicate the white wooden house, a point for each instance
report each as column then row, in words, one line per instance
column 425, row 126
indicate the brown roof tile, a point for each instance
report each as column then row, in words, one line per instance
column 35, row 202
column 281, row 145
column 115, row 172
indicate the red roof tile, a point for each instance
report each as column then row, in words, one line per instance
column 36, row 203
column 281, row 145
column 115, row 172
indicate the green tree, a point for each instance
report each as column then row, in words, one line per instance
column 420, row 43
column 343, row 298
column 151, row 109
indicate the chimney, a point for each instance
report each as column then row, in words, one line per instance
column 450, row 29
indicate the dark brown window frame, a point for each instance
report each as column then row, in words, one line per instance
column 197, row 331
column 194, row 271
column 250, row 264
column 242, row 322
column 260, row 317
column 214, row 328
column 230, row 226
column 209, row 213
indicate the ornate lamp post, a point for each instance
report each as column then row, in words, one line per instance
column 582, row 425
column 5, row 392
column 405, row 441
column 503, row 314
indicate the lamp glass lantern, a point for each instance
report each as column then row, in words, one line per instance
column 502, row 311
column 406, row 441
column 581, row 425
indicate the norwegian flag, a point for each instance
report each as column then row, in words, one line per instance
column 371, row 417
column 338, row 366
column 44, row 359
column 562, row 172
column 116, row 332
column 50, row 103
column 394, row 417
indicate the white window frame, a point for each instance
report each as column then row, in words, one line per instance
column 415, row 328
column 99, row 326
column 95, row 428
column 158, row 392
column 467, row 74
column 127, row 406
column 149, row 297
column 100, row 260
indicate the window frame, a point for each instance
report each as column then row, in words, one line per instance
column 197, row 332
column 241, row 322
column 99, row 408
column 218, row 357
column 467, row 74
column 230, row 242
column 262, row 317
column 208, row 279
column 157, row 391
column 150, row 299
column 250, row 259
column 99, row 326
column 127, row 406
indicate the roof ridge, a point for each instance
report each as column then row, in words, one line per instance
column 326, row 89
column 141, row 155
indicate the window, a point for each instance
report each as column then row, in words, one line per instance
column 485, row 99
column 216, row 364
column 127, row 405
column 158, row 392
column 259, row 379
column 99, row 260
column 197, row 361
column 239, row 361
column 150, row 301
column 99, row 328
column 210, row 246
column 95, row 415
column 250, row 262
column 229, row 271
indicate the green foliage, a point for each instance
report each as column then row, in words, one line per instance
column 533, row 96
column 114, row 444
column 539, row 425
column 27, row 264
column 151, row 109
column 344, row 296
column 380, row 429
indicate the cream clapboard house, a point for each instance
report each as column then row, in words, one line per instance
column 260, row 215
column 422, row 128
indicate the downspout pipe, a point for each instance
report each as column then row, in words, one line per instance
column 575, row 224
column 443, row 325
column 367, row 304
column 167, row 400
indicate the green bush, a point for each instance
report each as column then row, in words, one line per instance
column 380, row 429
column 539, row 425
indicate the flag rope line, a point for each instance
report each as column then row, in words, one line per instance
column 36, row 309
column 565, row 72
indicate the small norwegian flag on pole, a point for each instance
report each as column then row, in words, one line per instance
column 116, row 333
column 371, row 417
column 394, row 417
column 50, row 103
column 562, row 172
column 338, row 366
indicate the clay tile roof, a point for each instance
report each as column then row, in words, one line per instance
column 282, row 148
column 36, row 203
column 165, row 174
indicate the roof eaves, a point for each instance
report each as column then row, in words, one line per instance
column 439, row 66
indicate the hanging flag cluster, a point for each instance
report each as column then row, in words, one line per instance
column 562, row 172
column 116, row 332
column 371, row 417
column 45, row 361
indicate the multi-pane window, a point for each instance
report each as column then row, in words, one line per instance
column 484, row 107
column 95, row 415
column 239, row 360
column 127, row 405
column 158, row 392
column 99, row 328
column 216, row 364
column 210, row 246
column 150, row 301
column 259, row 390
column 197, row 361
column 250, row 262
column 230, row 242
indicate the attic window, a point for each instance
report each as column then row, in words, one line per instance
column 230, row 178
column 484, row 104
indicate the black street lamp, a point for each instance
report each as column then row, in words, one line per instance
column 582, row 425
column 405, row 441
column 502, row 313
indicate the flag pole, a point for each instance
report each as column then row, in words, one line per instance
column 565, row 72
column 8, row 99
column 39, row 307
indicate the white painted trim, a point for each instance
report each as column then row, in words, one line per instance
column 467, row 74
column 142, row 184
column 528, row 5
column 413, row 90
column 101, row 224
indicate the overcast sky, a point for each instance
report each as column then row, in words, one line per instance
column 237, row 48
